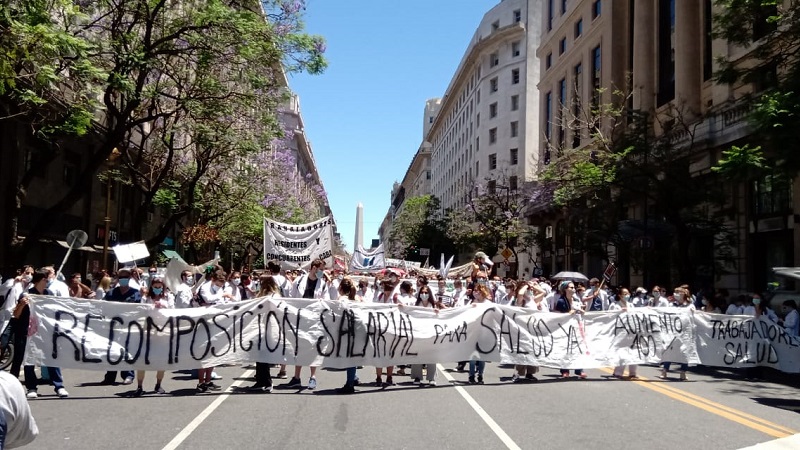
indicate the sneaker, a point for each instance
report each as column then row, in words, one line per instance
column 201, row 387
column 531, row 378
column 295, row 382
column 401, row 371
column 62, row 393
column 159, row 390
column 515, row 378
column 128, row 380
column 378, row 382
column 683, row 376
column 213, row 387
column 312, row 383
column 416, row 381
column 471, row 380
column 215, row 376
column 663, row 375
column 261, row 389
column 32, row 393
column 281, row 375
column 432, row 383
column 346, row 389
column 480, row 379
column 138, row 392
column 583, row 376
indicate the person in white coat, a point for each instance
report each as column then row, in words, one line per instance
column 316, row 284
column 622, row 305
column 16, row 420
column 791, row 319
column 160, row 298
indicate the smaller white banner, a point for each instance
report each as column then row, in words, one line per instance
column 296, row 246
column 131, row 252
column 368, row 260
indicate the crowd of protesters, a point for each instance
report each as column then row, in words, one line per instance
column 208, row 286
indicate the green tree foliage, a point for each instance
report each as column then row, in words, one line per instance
column 419, row 224
column 188, row 93
column 771, row 30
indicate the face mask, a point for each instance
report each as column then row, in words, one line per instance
column 214, row 288
column 320, row 274
column 237, row 281
column 158, row 291
column 482, row 282
column 189, row 281
column 678, row 297
column 656, row 294
column 756, row 301
column 152, row 274
column 704, row 302
column 49, row 282
column 340, row 277
column 423, row 297
column 124, row 282
column 27, row 278
column 626, row 298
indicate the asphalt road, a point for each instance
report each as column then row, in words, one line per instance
column 714, row 409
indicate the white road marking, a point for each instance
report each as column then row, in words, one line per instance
column 188, row 429
column 510, row 444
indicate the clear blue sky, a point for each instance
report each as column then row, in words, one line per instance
column 364, row 115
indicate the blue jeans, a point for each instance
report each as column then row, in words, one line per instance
column 480, row 366
column 684, row 366
column 352, row 377
column 31, row 381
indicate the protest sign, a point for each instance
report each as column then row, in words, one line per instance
column 296, row 246
column 364, row 260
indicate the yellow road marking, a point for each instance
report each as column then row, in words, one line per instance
column 729, row 413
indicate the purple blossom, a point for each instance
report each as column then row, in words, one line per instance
column 320, row 46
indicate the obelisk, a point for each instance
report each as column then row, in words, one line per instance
column 359, row 242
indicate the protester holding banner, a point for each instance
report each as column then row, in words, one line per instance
column 658, row 300
column 683, row 299
column 425, row 299
column 22, row 329
column 315, row 284
column 480, row 294
column 529, row 296
column 217, row 291
column 269, row 289
column 122, row 293
column 160, row 298
column 621, row 306
column 568, row 303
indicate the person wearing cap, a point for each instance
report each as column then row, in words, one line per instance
column 481, row 263
column 641, row 299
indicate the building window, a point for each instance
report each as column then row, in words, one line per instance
column 493, row 136
column 762, row 26
column 493, row 161
column 493, row 84
column 597, row 8
column 563, row 7
column 495, row 25
column 514, row 102
column 773, row 195
column 562, row 101
column 477, row 143
column 494, row 59
column 576, row 102
column 517, row 16
column 515, row 76
column 514, row 129
column 548, row 60
column 514, row 156
column 550, row 13
column 491, row 187
column 478, row 119
column 512, row 183
column 477, row 96
column 596, row 76
column 562, row 45
column 578, row 28
column 548, row 115
column 493, row 110
column 515, row 49
column 666, row 51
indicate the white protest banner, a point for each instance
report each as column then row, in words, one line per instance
column 364, row 260
column 131, row 252
column 295, row 246
column 104, row 335
column 743, row 341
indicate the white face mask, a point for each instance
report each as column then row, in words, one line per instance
column 27, row 278
column 190, row 281
column 656, row 294
column 237, row 281
column 214, row 288
column 424, row 297
column 340, row 277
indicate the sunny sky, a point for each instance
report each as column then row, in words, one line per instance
column 364, row 115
